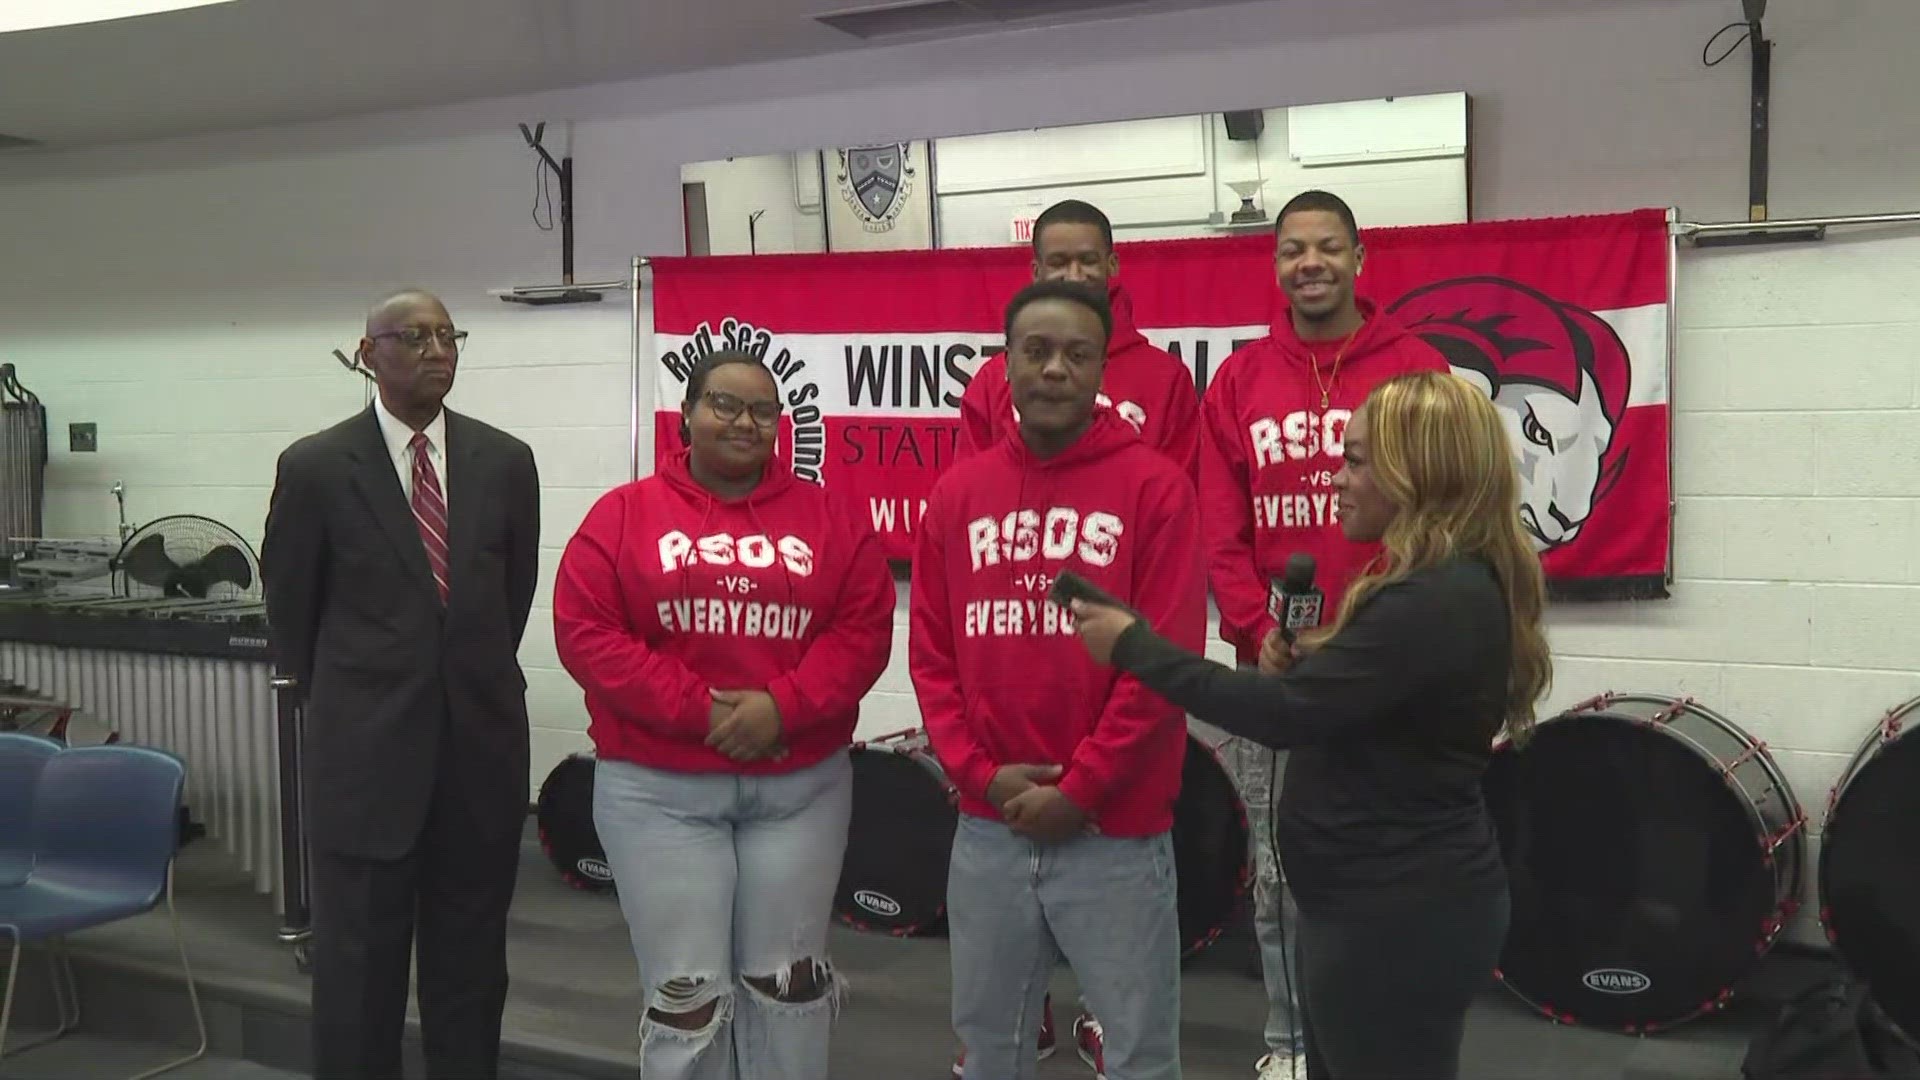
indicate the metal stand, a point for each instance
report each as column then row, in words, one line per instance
column 296, row 914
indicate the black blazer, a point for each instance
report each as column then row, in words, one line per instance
column 399, row 689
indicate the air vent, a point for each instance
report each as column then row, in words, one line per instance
column 935, row 16
column 900, row 19
column 16, row 142
column 1010, row 10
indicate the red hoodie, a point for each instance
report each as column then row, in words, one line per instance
column 1268, row 458
column 1145, row 385
column 668, row 591
column 1001, row 676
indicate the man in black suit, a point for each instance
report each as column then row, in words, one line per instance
column 399, row 562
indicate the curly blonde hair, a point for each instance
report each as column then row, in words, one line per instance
column 1441, row 455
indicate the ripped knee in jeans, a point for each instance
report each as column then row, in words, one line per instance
column 808, row 980
column 689, row 1004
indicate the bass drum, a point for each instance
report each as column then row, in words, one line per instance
column 894, row 877
column 1654, row 849
column 1210, row 848
column 567, row 832
column 1870, row 867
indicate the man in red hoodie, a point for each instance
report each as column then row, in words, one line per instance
column 1067, row 773
column 1272, row 424
column 1146, row 386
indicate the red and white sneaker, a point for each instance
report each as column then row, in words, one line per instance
column 1047, row 1041
column 1087, row 1039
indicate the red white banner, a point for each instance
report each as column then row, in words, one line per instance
column 1562, row 321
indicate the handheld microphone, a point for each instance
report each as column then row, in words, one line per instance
column 1293, row 601
column 1069, row 586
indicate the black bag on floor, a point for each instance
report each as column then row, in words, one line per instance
column 1832, row 1031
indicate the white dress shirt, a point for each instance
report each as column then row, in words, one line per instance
column 399, row 439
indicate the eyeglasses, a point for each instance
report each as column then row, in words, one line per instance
column 728, row 408
column 413, row 337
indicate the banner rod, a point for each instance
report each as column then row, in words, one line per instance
column 1693, row 228
column 1673, row 341
column 551, row 290
column 633, row 369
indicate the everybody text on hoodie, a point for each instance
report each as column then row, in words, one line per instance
column 1145, row 385
column 1001, row 676
column 1267, row 457
column 668, row 592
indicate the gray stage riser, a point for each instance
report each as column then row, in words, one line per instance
column 123, row 999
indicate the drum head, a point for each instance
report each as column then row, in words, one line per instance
column 1209, row 849
column 894, row 877
column 567, row 832
column 1638, row 881
column 1870, row 878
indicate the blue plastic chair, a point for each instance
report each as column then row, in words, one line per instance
column 105, row 831
column 22, row 756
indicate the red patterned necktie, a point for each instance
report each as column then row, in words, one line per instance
column 430, row 512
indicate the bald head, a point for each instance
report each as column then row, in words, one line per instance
column 412, row 348
column 396, row 309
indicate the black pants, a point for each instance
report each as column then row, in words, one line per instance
column 451, row 893
column 1385, row 996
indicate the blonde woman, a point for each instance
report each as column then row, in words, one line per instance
column 1390, row 716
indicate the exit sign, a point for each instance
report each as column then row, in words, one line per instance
column 1023, row 229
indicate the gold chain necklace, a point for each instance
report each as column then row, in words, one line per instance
column 1327, row 386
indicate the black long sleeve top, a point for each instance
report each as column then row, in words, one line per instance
column 1390, row 725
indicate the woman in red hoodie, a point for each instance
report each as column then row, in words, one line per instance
column 725, row 620
column 1067, row 773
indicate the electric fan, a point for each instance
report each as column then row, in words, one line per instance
column 186, row 556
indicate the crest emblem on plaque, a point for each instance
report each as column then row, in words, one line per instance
column 875, row 181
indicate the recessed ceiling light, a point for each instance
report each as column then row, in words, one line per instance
column 40, row 14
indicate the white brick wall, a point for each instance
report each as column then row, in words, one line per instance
column 1796, row 426
column 185, row 296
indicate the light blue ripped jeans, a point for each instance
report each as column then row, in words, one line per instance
column 1256, row 772
column 1109, row 904
column 727, row 884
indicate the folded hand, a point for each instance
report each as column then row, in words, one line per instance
column 746, row 725
column 1011, row 780
column 1044, row 813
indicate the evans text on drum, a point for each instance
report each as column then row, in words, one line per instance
column 905, row 811
column 567, row 832
column 1870, row 867
column 1210, row 851
column 1654, row 850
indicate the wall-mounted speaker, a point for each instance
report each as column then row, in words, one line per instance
column 1245, row 125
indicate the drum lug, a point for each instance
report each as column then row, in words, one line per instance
column 1598, row 701
column 1679, row 705
column 1772, row 843
column 891, row 736
column 1777, row 926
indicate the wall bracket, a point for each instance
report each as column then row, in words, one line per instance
column 567, row 293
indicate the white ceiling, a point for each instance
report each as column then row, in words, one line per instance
column 261, row 62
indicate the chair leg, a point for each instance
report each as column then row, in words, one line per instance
column 193, row 991
column 73, row 987
column 13, row 980
column 66, row 993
